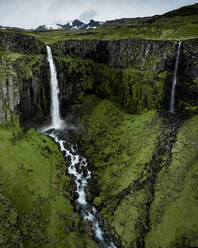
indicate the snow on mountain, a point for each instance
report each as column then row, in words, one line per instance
column 72, row 25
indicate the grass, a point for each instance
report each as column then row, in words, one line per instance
column 36, row 209
column 118, row 145
column 180, row 24
column 174, row 212
column 164, row 28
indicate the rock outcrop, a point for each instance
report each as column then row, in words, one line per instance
column 21, row 43
column 24, row 78
column 147, row 56
column 119, row 53
column 24, row 87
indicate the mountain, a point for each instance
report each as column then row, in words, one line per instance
column 73, row 25
column 186, row 11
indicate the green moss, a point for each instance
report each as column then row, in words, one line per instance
column 174, row 212
column 136, row 90
column 118, row 146
column 19, row 73
column 35, row 204
column 187, row 100
column 178, row 26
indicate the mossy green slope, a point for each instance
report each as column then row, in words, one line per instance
column 130, row 193
column 134, row 89
column 174, row 212
column 35, row 207
column 119, row 146
column 177, row 25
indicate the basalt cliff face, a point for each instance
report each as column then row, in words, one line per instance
column 119, row 53
column 21, row 43
column 136, row 73
column 24, row 78
column 133, row 72
column 187, row 86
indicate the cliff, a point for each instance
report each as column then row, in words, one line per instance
column 137, row 74
column 119, row 53
column 24, row 87
column 21, row 43
column 24, row 78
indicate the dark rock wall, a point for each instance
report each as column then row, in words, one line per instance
column 135, row 53
column 187, row 80
column 24, row 78
column 21, row 43
column 24, row 88
column 118, row 53
column 143, row 55
column 35, row 95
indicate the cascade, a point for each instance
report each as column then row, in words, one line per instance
column 55, row 112
column 78, row 166
column 172, row 103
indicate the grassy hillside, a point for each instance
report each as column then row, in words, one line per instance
column 35, row 209
column 146, row 189
column 176, row 25
column 174, row 212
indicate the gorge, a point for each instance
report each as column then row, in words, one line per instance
column 99, row 136
column 78, row 164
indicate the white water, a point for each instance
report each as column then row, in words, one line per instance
column 77, row 164
column 172, row 103
column 55, row 112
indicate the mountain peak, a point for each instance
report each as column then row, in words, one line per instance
column 77, row 23
column 72, row 25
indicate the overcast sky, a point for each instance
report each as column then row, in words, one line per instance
column 32, row 13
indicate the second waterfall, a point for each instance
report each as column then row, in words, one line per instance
column 78, row 166
column 172, row 103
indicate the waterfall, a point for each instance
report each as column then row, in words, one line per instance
column 172, row 103
column 55, row 112
column 78, row 166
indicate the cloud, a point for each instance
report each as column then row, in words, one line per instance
column 87, row 15
column 32, row 13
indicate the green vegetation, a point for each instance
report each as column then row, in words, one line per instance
column 136, row 90
column 179, row 25
column 20, row 74
column 177, row 28
column 24, row 64
column 142, row 187
column 35, row 209
column 119, row 146
column 174, row 212
column 187, row 101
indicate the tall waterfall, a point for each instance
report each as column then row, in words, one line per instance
column 78, row 166
column 172, row 103
column 55, row 112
